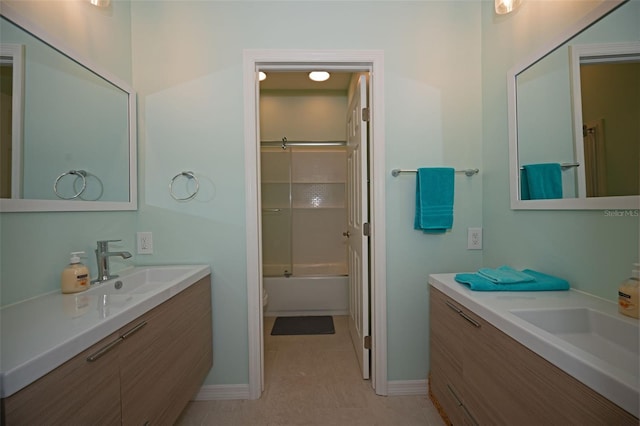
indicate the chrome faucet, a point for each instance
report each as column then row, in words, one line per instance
column 102, row 256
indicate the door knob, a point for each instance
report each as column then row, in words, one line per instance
column 346, row 234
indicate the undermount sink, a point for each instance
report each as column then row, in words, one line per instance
column 141, row 280
column 609, row 338
column 60, row 326
column 583, row 335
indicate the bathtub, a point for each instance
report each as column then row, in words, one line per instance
column 333, row 269
column 319, row 295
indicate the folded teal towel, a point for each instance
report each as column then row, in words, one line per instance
column 434, row 199
column 504, row 275
column 543, row 181
column 541, row 282
column 524, row 185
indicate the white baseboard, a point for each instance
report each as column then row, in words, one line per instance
column 406, row 387
column 220, row 392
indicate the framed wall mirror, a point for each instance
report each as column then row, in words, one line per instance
column 574, row 135
column 69, row 128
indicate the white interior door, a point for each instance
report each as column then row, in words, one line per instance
column 357, row 218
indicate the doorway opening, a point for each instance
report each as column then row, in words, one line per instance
column 371, row 233
column 314, row 199
column 302, row 126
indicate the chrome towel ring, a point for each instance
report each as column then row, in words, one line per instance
column 190, row 176
column 79, row 173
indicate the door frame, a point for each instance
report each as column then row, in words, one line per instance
column 255, row 60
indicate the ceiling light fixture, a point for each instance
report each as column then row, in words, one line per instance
column 319, row 75
column 100, row 3
column 506, row 6
column 261, row 76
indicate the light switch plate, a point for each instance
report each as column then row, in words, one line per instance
column 145, row 242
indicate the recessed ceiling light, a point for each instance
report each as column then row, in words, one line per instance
column 261, row 76
column 503, row 7
column 319, row 75
column 100, row 3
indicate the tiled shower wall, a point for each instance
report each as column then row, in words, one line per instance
column 304, row 211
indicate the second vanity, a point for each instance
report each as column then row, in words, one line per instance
column 132, row 350
column 530, row 357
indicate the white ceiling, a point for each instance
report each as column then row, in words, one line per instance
column 286, row 80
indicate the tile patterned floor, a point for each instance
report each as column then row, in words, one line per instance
column 313, row 380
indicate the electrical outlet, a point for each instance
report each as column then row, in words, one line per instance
column 474, row 238
column 145, row 243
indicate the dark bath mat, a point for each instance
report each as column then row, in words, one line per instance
column 303, row 325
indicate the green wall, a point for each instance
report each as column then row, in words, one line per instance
column 188, row 72
column 445, row 103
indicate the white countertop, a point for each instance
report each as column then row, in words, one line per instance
column 41, row 333
column 609, row 380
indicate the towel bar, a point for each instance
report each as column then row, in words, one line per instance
column 468, row 172
column 563, row 165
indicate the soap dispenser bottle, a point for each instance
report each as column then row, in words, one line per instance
column 628, row 294
column 75, row 277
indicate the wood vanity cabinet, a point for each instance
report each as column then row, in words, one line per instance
column 446, row 359
column 164, row 365
column 481, row 376
column 147, row 377
column 87, row 393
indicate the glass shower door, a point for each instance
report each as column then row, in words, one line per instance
column 276, row 212
column 318, row 175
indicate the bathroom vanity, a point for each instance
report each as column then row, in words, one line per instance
column 489, row 364
column 152, row 349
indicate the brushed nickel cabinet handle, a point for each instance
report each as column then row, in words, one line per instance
column 94, row 357
column 452, row 392
column 452, row 306
column 133, row 330
column 461, row 405
column 468, row 318
column 469, row 416
column 100, row 352
column 462, row 314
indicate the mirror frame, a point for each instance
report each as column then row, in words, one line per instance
column 591, row 203
column 29, row 205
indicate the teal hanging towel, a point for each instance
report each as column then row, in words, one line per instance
column 543, row 181
column 434, row 199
